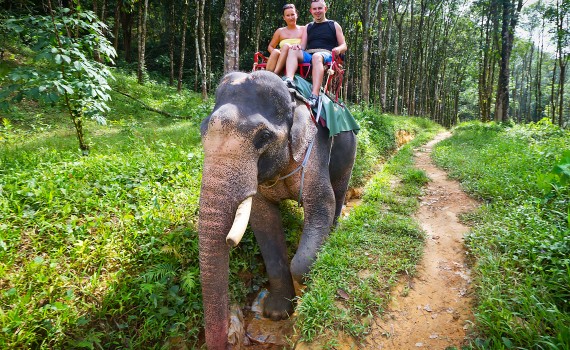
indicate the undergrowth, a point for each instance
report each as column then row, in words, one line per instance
column 521, row 241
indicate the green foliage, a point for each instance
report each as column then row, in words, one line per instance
column 521, row 241
column 64, row 69
column 101, row 252
column 376, row 139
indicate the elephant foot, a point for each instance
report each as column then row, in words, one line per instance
column 278, row 306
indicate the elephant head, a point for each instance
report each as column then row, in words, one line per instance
column 254, row 133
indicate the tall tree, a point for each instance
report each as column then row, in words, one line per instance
column 559, row 15
column 117, row 25
column 127, row 25
column 183, row 45
column 397, row 80
column 510, row 17
column 141, row 66
column 384, row 55
column 201, row 47
column 231, row 26
column 170, row 16
column 489, row 42
column 365, row 83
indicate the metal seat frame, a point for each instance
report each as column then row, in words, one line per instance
column 334, row 72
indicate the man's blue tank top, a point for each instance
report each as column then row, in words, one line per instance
column 321, row 36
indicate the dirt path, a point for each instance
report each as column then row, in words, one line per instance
column 432, row 310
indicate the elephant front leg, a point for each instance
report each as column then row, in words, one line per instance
column 268, row 228
column 319, row 206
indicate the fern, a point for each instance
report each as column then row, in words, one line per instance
column 161, row 272
column 190, row 279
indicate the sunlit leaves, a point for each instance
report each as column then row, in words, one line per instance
column 64, row 63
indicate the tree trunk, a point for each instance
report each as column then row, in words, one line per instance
column 384, row 55
column 200, row 41
column 562, row 56
column 127, row 24
column 103, row 15
column 208, row 46
column 96, row 55
column 203, row 53
column 118, row 10
column 510, row 18
column 365, row 71
column 258, row 23
column 553, row 94
column 141, row 66
column 563, row 63
column 398, row 63
column 171, row 45
column 183, row 45
column 380, row 58
column 230, row 25
column 538, row 76
column 489, row 44
column 408, row 72
column 197, row 56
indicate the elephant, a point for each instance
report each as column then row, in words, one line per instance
column 261, row 146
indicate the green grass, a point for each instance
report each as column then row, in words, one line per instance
column 101, row 251
column 521, row 241
column 369, row 250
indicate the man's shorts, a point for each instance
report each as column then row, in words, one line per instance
column 327, row 56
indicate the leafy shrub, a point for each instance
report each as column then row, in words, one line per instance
column 65, row 67
column 376, row 139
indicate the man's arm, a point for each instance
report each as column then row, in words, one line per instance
column 341, row 48
column 303, row 43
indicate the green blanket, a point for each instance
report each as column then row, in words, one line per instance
column 336, row 116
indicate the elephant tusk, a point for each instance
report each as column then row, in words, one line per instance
column 240, row 223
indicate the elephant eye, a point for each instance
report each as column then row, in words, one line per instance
column 262, row 138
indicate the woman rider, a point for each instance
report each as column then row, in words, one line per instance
column 285, row 37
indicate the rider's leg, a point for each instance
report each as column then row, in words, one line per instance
column 272, row 61
column 292, row 62
column 318, row 71
column 280, row 64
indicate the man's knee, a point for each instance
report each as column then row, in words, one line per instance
column 317, row 59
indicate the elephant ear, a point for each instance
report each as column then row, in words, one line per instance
column 303, row 131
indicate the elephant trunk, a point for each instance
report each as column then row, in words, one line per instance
column 214, row 272
column 220, row 197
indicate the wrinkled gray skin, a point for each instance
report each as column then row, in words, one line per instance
column 256, row 134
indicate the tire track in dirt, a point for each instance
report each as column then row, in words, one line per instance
column 433, row 309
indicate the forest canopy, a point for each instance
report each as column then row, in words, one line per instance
column 449, row 60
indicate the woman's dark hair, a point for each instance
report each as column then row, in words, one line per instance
column 289, row 6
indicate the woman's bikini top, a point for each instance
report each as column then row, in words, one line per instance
column 290, row 41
